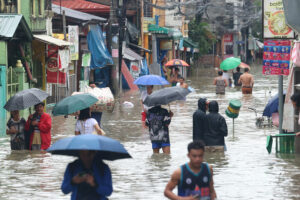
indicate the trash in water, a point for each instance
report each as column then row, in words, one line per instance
column 128, row 104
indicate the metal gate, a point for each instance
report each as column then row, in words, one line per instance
column 2, row 100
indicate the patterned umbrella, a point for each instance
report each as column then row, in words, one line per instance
column 25, row 99
column 176, row 62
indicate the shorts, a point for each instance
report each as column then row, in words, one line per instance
column 158, row 145
column 144, row 116
column 246, row 90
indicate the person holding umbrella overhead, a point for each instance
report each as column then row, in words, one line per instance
column 159, row 119
column 22, row 100
column 149, row 81
column 39, row 127
column 88, row 177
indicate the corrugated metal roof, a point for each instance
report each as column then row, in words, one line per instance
column 51, row 40
column 76, row 14
column 83, row 5
column 131, row 55
column 9, row 23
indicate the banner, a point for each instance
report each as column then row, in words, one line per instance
column 74, row 39
column 53, row 66
column 274, row 21
column 276, row 58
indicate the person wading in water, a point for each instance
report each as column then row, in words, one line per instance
column 247, row 82
column 220, row 83
column 194, row 179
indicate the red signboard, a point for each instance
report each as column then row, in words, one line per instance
column 276, row 59
column 53, row 67
column 228, row 38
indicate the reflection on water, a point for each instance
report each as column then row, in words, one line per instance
column 244, row 171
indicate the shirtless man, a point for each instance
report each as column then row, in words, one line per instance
column 247, row 82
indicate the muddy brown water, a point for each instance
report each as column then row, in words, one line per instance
column 244, row 171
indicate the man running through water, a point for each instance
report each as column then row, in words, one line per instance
column 194, row 179
column 247, row 82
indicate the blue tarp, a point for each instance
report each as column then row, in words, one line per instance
column 144, row 68
column 99, row 53
column 272, row 106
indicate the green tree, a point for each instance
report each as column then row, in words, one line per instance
column 199, row 32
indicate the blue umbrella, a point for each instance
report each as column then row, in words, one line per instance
column 107, row 148
column 272, row 106
column 151, row 80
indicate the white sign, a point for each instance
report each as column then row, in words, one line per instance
column 274, row 21
column 49, row 89
column 74, row 39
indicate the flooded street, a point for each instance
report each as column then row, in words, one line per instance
column 244, row 171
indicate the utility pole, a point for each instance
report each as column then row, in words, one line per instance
column 113, row 31
column 122, row 29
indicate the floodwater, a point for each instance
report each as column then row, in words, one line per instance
column 244, row 171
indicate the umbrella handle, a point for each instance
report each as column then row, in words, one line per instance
column 169, row 107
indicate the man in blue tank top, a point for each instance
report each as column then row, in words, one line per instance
column 194, row 179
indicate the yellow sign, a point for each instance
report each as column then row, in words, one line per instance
column 146, row 22
column 274, row 21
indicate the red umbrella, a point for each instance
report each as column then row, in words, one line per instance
column 176, row 62
column 244, row 65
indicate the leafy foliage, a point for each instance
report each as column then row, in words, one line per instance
column 199, row 32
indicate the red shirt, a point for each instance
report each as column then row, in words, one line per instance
column 45, row 129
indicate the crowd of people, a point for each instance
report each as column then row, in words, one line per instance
column 241, row 80
column 90, row 178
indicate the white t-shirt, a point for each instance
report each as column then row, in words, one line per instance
column 144, row 94
column 86, row 127
column 226, row 76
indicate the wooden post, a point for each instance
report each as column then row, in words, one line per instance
column 64, row 25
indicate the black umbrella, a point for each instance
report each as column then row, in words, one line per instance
column 166, row 96
column 25, row 99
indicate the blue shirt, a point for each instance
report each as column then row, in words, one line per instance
column 102, row 177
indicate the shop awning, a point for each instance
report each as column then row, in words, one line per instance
column 157, row 29
column 131, row 55
column 170, row 33
column 175, row 34
column 51, row 40
column 13, row 25
column 76, row 14
column 189, row 43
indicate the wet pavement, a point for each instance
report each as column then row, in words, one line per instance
column 244, row 171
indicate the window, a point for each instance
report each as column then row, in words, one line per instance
column 40, row 7
column 33, row 8
column 147, row 8
column 8, row 6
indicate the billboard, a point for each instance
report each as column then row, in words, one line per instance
column 276, row 58
column 274, row 25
